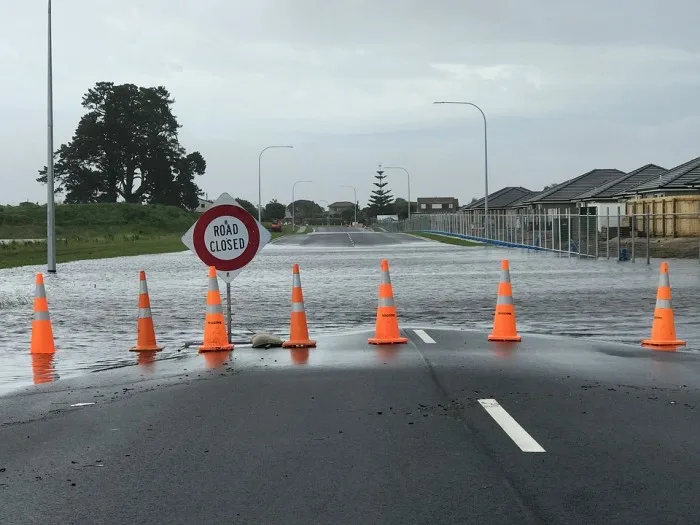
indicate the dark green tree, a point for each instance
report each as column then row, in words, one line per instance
column 305, row 209
column 249, row 207
column 274, row 211
column 126, row 146
column 380, row 200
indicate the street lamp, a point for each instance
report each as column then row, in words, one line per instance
column 354, row 204
column 50, row 202
column 408, row 175
column 259, row 184
column 486, row 163
column 293, row 204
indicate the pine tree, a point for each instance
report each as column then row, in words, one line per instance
column 381, row 199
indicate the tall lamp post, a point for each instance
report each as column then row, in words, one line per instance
column 50, row 202
column 486, row 163
column 354, row 204
column 408, row 175
column 259, row 183
column 293, row 202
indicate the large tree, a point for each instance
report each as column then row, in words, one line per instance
column 274, row 211
column 126, row 147
column 380, row 200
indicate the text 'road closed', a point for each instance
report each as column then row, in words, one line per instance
column 226, row 238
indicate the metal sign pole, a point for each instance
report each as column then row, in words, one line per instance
column 228, row 310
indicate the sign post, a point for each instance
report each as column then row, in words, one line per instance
column 228, row 238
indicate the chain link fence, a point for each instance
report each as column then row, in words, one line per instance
column 622, row 237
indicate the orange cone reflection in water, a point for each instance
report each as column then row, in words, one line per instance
column 387, row 352
column 42, row 368
column 216, row 359
column 503, row 350
column 146, row 360
column 300, row 356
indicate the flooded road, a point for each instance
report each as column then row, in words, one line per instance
column 93, row 304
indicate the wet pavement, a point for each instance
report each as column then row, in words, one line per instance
column 93, row 303
column 352, row 433
column 447, row 428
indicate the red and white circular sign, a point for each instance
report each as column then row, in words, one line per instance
column 226, row 237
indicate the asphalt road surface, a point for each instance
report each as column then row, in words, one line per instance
column 346, row 237
column 447, row 428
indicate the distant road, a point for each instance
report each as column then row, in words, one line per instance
column 341, row 236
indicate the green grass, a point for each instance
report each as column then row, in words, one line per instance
column 446, row 239
column 287, row 230
column 94, row 220
column 96, row 231
column 23, row 254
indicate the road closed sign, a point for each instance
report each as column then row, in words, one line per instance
column 226, row 237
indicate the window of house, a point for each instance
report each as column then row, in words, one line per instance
column 422, row 206
column 451, row 206
column 436, row 206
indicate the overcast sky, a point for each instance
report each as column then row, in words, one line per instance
column 566, row 87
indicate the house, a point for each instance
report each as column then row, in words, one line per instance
column 672, row 200
column 499, row 201
column 437, row 205
column 203, row 205
column 337, row 208
column 607, row 202
column 561, row 198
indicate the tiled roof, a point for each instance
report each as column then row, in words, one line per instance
column 674, row 179
column 341, row 204
column 568, row 191
column 436, row 200
column 501, row 198
column 619, row 186
column 522, row 201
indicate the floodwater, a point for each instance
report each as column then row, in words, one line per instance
column 93, row 304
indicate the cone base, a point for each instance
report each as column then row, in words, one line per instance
column 218, row 348
column 307, row 343
column 154, row 348
column 387, row 341
column 506, row 338
column 663, row 345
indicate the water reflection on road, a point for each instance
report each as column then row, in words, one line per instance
column 93, row 303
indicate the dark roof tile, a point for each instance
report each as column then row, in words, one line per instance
column 673, row 179
column 619, row 186
column 568, row 191
column 501, row 198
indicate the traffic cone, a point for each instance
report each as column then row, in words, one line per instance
column 387, row 325
column 42, row 334
column 298, row 332
column 145, row 334
column 215, row 336
column 504, row 318
column 663, row 328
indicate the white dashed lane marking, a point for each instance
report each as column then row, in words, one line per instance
column 510, row 426
column 425, row 337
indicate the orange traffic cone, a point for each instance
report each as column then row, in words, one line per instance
column 42, row 334
column 145, row 334
column 663, row 328
column 504, row 318
column 215, row 336
column 298, row 332
column 387, row 325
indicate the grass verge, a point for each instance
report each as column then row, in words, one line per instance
column 30, row 253
column 446, row 239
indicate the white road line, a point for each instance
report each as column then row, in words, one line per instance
column 425, row 337
column 510, row 426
